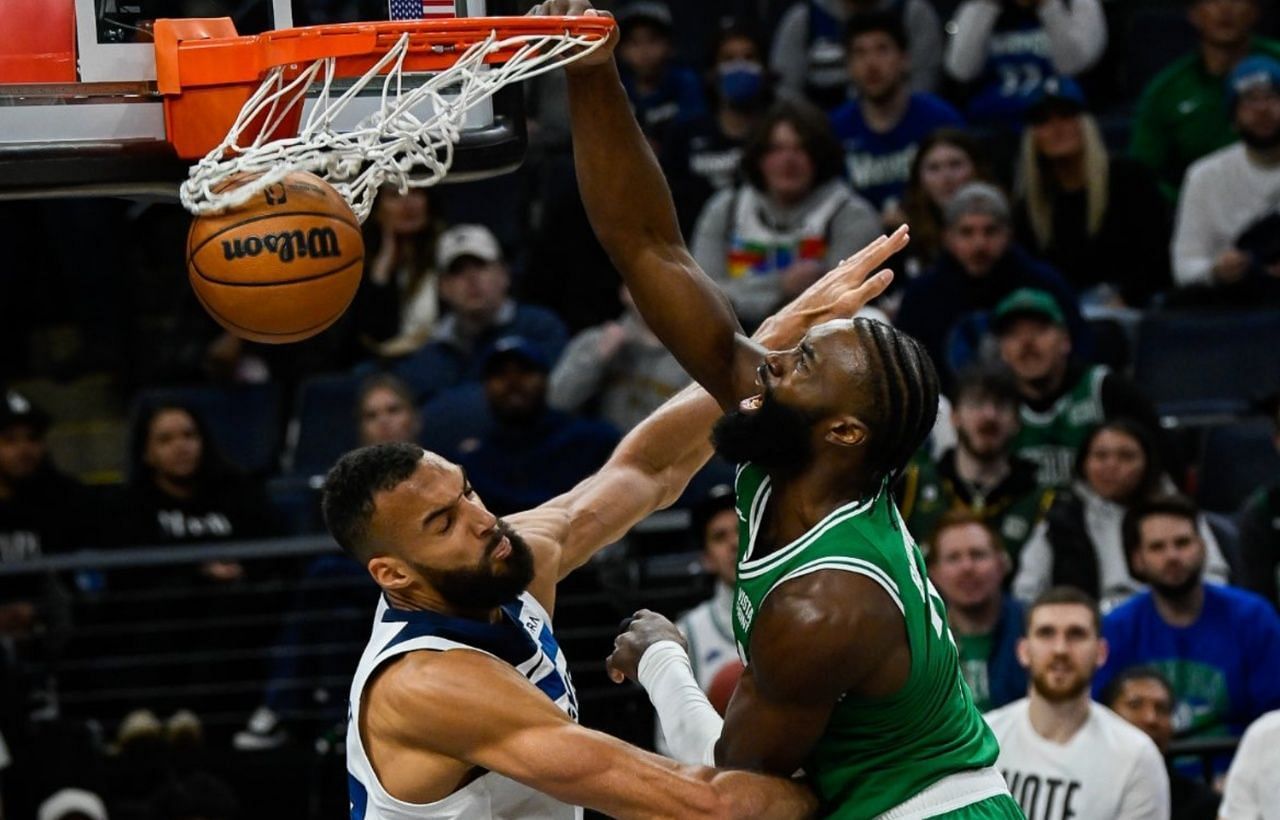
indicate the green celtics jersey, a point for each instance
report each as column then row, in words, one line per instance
column 1051, row 439
column 875, row 752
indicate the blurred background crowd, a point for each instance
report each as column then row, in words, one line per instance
column 1093, row 192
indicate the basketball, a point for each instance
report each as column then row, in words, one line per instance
column 283, row 266
column 724, row 684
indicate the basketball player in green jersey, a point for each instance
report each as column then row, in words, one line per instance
column 851, row 671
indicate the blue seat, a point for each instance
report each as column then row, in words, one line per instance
column 455, row 416
column 1197, row 363
column 1235, row 460
column 323, row 426
column 296, row 502
column 244, row 420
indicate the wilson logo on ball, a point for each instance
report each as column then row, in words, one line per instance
column 317, row 243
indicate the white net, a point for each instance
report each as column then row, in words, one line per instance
column 395, row 144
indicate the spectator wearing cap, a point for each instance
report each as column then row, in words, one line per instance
column 881, row 128
column 43, row 512
column 969, row 565
column 1182, row 114
column 1260, row 530
column 474, row 286
column 701, row 156
column 1062, row 398
column 1005, row 49
column 661, row 92
column 1099, row 220
column 808, row 52
column 532, row 452
column 979, row 476
column 1228, row 226
column 1218, row 646
column 793, row 218
column 618, row 371
column 945, row 308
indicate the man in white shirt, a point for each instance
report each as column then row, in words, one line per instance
column 1062, row 754
column 1253, row 790
column 1230, row 192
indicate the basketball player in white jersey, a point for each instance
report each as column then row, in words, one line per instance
column 462, row 705
column 1062, row 754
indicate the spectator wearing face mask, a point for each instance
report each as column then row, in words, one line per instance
column 700, row 157
column 881, row 129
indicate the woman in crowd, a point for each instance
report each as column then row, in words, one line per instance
column 947, row 160
column 1078, row 543
column 181, row 490
column 1099, row 220
column 397, row 305
column 792, row 219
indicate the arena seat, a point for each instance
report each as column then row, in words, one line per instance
column 244, row 420
column 323, row 424
column 1202, row 363
column 1235, row 460
column 454, row 416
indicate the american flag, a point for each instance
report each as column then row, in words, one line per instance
column 420, row 9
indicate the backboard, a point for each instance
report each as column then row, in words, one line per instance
column 80, row 113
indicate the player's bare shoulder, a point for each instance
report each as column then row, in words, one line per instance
column 853, row 632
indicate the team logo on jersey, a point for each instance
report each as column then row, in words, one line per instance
column 743, row 610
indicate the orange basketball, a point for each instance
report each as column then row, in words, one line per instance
column 282, row 267
column 724, row 684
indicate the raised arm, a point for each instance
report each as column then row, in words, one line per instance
column 631, row 211
column 432, row 710
column 652, row 465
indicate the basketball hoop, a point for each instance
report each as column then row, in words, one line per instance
column 204, row 78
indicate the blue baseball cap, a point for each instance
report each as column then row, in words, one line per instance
column 1058, row 91
column 518, row 348
column 1252, row 72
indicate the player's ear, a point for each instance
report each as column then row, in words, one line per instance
column 389, row 572
column 1024, row 654
column 848, row 431
column 1104, row 651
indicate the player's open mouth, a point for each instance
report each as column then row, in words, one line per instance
column 751, row 403
column 503, row 549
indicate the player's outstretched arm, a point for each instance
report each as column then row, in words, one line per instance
column 469, row 707
column 786, row 694
column 653, row 464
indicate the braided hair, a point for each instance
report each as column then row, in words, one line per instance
column 904, row 387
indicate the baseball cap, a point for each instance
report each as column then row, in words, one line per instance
column 72, row 802
column 1252, row 72
column 466, row 240
column 1062, row 93
column 645, row 11
column 17, row 409
column 1026, row 302
column 515, row 347
column 718, row 499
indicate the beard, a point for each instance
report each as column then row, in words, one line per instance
column 774, row 437
column 487, row 584
column 1261, row 142
column 1055, row 692
column 1179, row 589
column 985, row 454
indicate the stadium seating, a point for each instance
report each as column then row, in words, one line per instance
column 1196, row 364
column 323, row 425
column 1235, row 460
column 244, row 420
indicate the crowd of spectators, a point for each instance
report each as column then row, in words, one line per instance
column 1051, row 199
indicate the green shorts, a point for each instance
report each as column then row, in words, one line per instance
column 1000, row 807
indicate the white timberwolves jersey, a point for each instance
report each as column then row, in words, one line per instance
column 523, row 639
